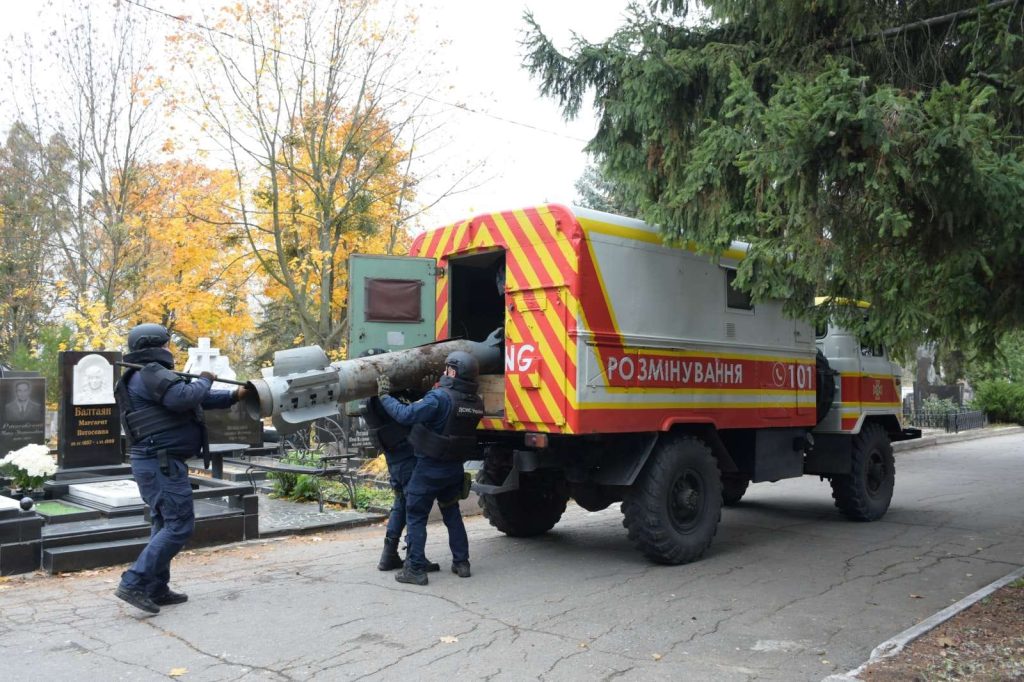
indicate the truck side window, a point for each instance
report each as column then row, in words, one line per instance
column 735, row 299
column 821, row 330
column 872, row 351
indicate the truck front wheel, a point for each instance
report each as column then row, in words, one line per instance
column 531, row 510
column 673, row 508
column 864, row 494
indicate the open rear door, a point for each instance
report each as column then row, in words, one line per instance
column 392, row 305
column 391, row 302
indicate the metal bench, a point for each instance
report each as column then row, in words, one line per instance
column 322, row 440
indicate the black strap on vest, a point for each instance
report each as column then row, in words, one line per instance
column 157, row 379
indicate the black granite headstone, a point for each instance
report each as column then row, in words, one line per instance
column 233, row 425
column 90, row 423
column 23, row 419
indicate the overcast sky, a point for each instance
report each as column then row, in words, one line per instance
column 523, row 165
column 528, row 153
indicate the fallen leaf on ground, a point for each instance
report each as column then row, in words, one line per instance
column 916, row 596
column 656, row 657
column 945, row 642
column 583, row 645
column 178, row 672
column 448, row 639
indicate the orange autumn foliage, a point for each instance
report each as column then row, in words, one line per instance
column 197, row 282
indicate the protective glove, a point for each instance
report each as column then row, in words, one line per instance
column 240, row 393
column 467, row 485
column 383, row 385
column 209, row 375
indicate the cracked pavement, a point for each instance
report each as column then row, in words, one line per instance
column 788, row 591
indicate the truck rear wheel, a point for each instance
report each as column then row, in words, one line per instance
column 531, row 510
column 864, row 494
column 734, row 486
column 673, row 508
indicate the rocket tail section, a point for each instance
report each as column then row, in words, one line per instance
column 303, row 386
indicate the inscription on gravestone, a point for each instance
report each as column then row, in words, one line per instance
column 23, row 397
column 223, row 426
column 111, row 493
column 90, row 424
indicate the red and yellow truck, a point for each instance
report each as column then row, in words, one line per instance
column 636, row 372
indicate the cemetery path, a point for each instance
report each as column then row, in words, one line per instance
column 788, row 591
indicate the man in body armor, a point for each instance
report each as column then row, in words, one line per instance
column 162, row 413
column 443, row 434
column 393, row 440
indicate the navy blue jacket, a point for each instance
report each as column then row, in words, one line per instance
column 431, row 411
column 181, row 396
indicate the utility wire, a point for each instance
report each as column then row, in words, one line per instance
column 285, row 53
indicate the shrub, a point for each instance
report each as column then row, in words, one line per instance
column 296, row 486
column 1001, row 400
column 939, row 406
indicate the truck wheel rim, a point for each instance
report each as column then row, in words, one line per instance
column 686, row 500
column 876, row 472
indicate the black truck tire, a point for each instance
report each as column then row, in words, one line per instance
column 734, row 486
column 531, row 510
column 865, row 493
column 672, row 510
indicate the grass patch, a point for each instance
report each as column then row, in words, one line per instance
column 55, row 508
column 367, row 496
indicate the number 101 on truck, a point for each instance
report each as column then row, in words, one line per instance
column 636, row 372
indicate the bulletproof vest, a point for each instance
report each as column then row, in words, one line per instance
column 148, row 421
column 457, row 441
column 385, row 433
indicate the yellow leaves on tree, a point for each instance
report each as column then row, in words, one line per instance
column 196, row 281
column 339, row 189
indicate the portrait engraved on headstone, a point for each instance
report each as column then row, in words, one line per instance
column 24, row 412
column 23, row 405
column 93, row 381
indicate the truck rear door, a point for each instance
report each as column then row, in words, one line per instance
column 391, row 302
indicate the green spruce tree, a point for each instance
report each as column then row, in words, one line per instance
column 866, row 150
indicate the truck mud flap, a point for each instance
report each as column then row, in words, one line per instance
column 510, row 483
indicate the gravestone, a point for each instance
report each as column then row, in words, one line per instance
column 233, row 425
column 90, row 423
column 113, row 494
column 23, row 419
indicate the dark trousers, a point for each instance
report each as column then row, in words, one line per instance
column 435, row 481
column 169, row 497
column 400, row 472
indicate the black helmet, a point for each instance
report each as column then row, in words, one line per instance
column 148, row 335
column 466, row 367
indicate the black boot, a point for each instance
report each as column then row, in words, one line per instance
column 461, row 569
column 410, row 575
column 389, row 559
column 431, row 566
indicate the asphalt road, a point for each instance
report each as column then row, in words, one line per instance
column 788, row 591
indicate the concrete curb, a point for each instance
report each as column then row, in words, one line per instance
column 893, row 646
column 312, row 528
column 896, row 644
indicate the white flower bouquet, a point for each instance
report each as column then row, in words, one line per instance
column 29, row 466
